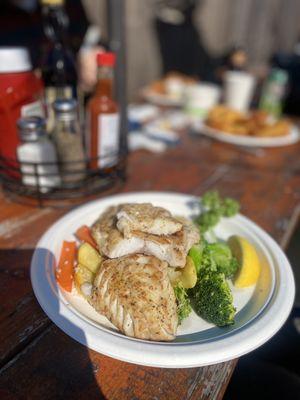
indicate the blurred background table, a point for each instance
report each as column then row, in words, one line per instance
column 39, row 361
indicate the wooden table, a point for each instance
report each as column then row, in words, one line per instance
column 40, row 362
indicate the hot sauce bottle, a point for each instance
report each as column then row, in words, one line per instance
column 103, row 133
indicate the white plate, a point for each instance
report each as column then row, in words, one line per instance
column 291, row 138
column 160, row 99
column 262, row 309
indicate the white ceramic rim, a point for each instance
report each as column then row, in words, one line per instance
column 253, row 335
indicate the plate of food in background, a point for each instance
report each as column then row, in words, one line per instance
column 255, row 128
column 168, row 91
column 163, row 279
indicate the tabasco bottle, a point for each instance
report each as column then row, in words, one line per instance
column 103, row 133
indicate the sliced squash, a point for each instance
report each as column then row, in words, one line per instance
column 83, row 275
column 89, row 257
column 188, row 276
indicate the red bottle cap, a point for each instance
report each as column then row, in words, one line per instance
column 107, row 59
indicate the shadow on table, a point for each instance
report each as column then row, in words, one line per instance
column 271, row 372
column 52, row 366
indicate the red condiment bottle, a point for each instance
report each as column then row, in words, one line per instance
column 103, row 122
column 21, row 93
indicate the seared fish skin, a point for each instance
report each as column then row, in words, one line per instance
column 135, row 294
column 146, row 218
column 171, row 248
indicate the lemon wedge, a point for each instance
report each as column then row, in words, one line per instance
column 247, row 257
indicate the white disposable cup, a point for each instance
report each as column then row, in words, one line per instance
column 200, row 98
column 238, row 90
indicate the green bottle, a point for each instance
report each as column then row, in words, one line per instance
column 273, row 92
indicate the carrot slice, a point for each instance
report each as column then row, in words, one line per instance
column 64, row 272
column 84, row 234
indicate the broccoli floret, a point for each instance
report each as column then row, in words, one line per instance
column 212, row 298
column 230, row 207
column 222, row 258
column 231, row 268
column 208, row 220
column 184, row 307
column 214, row 208
column 211, row 199
column 208, row 261
column 195, row 253
column 215, row 257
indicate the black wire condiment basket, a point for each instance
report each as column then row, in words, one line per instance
column 77, row 184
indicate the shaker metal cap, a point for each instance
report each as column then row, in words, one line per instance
column 31, row 128
column 64, row 105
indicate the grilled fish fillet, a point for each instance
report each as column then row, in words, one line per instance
column 146, row 218
column 110, row 240
column 135, row 294
column 170, row 248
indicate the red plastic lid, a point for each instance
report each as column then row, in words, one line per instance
column 108, row 59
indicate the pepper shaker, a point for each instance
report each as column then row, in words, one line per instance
column 68, row 140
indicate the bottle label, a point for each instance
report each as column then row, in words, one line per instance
column 33, row 109
column 108, row 139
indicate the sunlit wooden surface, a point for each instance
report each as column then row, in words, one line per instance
column 39, row 361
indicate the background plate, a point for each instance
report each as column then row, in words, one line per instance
column 261, row 309
column 160, row 99
column 251, row 141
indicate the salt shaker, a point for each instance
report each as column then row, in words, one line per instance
column 37, row 155
column 68, row 140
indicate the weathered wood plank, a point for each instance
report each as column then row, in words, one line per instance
column 21, row 327
column 69, row 370
column 162, row 384
column 23, row 231
column 268, row 187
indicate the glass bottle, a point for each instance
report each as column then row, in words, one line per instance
column 273, row 93
column 58, row 62
column 103, row 122
column 37, row 155
column 68, row 140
